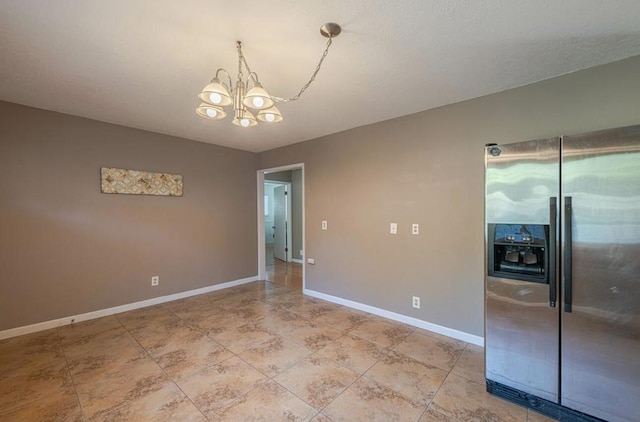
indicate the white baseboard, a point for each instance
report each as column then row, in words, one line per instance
column 449, row 332
column 41, row 326
column 297, row 261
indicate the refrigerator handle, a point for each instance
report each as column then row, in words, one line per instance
column 568, row 273
column 551, row 270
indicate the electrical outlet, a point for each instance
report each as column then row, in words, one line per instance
column 393, row 228
column 416, row 302
column 415, row 229
column 324, row 225
column 155, row 280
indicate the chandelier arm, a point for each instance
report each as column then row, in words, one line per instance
column 228, row 76
column 313, row 77
column 254, row 76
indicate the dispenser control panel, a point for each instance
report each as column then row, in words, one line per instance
column 518, row 251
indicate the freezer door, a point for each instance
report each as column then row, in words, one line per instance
column 521, row 326
column 601, row 275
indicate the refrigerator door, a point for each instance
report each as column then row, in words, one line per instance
column 521, row 326
column 601, row 274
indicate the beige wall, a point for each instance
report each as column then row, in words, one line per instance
column 66, row 249
column 427, row 168
column 279, row 176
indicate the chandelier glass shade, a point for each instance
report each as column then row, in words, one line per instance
column 244, row 118
column 209, row 111
column 257, row 98
column 270, row 115
column 216, row 94
column 249, row 93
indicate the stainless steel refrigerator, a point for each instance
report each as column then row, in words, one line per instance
column 562, row 280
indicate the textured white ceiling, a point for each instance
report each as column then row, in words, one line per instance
column 142, row 63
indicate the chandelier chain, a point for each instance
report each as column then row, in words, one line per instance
column 313, row 77
column 245, row 63
column 304, row 88
column 241, row 59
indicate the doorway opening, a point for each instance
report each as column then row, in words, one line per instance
column 277, row 221
column 281, row 225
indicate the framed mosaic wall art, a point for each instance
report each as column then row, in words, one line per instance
column 137, row 182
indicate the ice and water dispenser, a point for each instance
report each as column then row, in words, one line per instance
column 518, row 251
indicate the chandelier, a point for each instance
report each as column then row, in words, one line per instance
column 249, row 93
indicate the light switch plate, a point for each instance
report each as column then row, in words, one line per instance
column 393, row 228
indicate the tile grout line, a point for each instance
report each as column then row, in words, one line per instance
column 286, row 369
column 358, row 377
column 161, row 368
column 268, row 378
column 345, row 333
column 272, row 379
column 206, row 333
column 449, row 372
column 319, row 411
column 426, row 407
column 393, row 349
column 31, row 402
column 68, row 368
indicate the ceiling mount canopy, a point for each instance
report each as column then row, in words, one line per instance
column 217, row 94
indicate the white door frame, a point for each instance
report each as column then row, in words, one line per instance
column 262, row 271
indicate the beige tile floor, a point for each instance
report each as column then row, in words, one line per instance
column 258, row 352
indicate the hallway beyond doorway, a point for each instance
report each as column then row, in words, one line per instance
column 287, row 274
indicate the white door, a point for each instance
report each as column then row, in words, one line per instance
column 280, row 223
